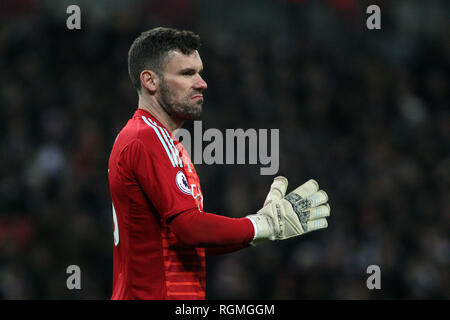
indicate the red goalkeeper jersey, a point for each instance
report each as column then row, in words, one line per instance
column 160, row 229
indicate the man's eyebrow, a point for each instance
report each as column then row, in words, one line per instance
column 189, row 69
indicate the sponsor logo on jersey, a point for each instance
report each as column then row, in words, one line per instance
column 182, row 183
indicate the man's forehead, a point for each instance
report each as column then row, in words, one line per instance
column 178, row 60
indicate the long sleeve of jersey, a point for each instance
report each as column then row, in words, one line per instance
column 202, row 229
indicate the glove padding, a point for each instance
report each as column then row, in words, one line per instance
column 301, row 211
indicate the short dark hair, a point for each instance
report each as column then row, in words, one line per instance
column 150, row 49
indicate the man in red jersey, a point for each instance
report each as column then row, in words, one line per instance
column 161, row 233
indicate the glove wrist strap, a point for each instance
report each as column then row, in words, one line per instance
column 262, row 226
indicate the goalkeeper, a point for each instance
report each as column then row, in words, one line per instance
column 161, row 233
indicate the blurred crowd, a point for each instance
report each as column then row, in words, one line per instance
column 365, row 113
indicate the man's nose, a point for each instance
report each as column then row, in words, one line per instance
column 200, row 84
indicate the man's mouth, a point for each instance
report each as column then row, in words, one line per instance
column 197, row 96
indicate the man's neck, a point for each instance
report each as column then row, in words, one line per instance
column 156, row 110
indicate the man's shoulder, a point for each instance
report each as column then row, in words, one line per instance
column 143, row 133
column 138, row 130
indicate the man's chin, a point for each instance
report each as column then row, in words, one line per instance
column 191, row 114
column 194, row 116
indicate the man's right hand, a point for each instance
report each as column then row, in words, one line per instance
column 303, row 210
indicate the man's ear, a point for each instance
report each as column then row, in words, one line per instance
column 149, row 80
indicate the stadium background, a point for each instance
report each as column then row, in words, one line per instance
column 366, row 113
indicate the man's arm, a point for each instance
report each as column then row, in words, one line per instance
column 303, row 210
column 202, row 229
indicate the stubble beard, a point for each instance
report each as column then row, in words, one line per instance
column 186, row 109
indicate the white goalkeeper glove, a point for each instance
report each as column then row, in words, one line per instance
column 303, row 210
